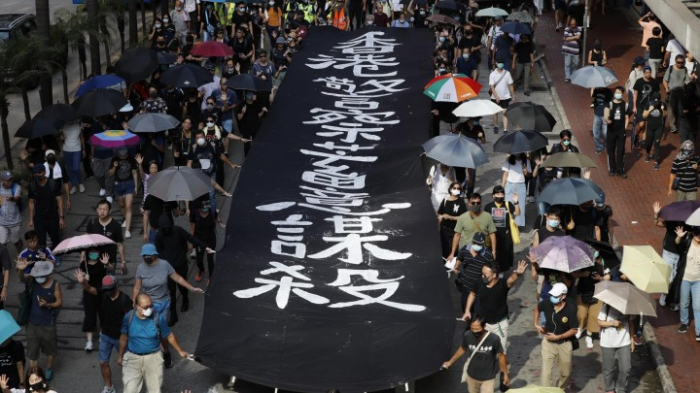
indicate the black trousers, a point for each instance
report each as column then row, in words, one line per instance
column 173, row 286
column 200, row 261
column 616, row 150
column 355, row 15
column 654, row 139
column 47, row 225
column 91, row 307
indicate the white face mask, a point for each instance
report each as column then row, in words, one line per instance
column 272, row 3
column 40, row 280
column 147, row 312
column 157, row 26
column 455, row 192
column 465, row 55
column 201, row 141
column 477, row 247
column 166, row 20
column 210, row 124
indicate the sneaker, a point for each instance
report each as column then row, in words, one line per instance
column 127, row 234
column 623, row 175
column 48, row 374
column 657, row 166
column 73, row 190
column 647, row 158
column 88, row 346
column 199, row 276
column 110, row 199
column 505, row 131
column 697, row 337
column 676, row 308
column 495, row 130
column 611, row 173
column 124, row 224
column 102, row 192
column 578, row 333
column 674, row 130
column 167, row 360
column 109, row 390
column 683, row 328
column 193, row 254
column 82, row 189
column 592, row 105
column 589, row 342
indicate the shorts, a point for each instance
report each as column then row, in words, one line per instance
column 503, row 104
column 125, row 188
column 9, row 234
column 106, row 345
column 163, row 308
column 640, row 116
column 42, row 338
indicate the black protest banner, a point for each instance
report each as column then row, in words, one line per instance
column 331, row 276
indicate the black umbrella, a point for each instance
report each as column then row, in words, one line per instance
column 569, row 191
column 100, row 102
column 186, row 75
column 38, row 127
column 530, row 116
column 607, row 252
column 248, row 82
column 179, row 183
column 451, row 5
column 520, row 142
column 137, row 64
column 62, row 112
column 166, row 57
column 152, row 122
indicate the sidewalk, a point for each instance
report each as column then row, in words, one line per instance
column 631, row 198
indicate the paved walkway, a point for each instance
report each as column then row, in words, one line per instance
column 631, row 198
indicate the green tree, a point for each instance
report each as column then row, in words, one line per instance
column 6, row 88
column 43, row 28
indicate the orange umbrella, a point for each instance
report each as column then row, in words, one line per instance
column 452, row 88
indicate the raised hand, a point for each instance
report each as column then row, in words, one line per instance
column 105, row 258
column 139, row 158
column 522, row 266
column 680, row 232
column 657, row 207
column 79, row 275
column 21, row 263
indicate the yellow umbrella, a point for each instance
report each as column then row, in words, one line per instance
column 537, row 389
column 646, row 269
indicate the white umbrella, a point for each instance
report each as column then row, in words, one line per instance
column 694, row 219
column 477, row 108
column 491, row 12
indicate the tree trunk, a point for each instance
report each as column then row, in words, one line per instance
column 164, row 7
column 25, row 102
column 64, row 78
column 82, row 57
column 133, row 24
column 105, row 32
column 43, row 26
column 144, row 28
column 121, row 24
column 4, row 112
column 94, row 22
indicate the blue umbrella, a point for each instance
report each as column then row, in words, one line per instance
column 8, row 326
column 516, row 28
column 593, row 76
column 98, row 82
column 456, row 150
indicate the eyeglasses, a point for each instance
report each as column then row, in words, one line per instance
column 147, row 307
column 565, row 139
column 680, row 63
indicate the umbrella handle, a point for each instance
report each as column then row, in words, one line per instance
column 641, row 319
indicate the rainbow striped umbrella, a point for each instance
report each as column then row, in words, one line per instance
column 452, row 88
column 113, row 139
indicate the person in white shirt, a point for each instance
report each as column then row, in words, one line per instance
column 502, row 93
column 616, row 344
column 673, row 49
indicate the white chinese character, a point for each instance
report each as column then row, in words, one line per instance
column 368, row 43
column 353, row 244
column 385, row 208
column 286, row 286
column 351, row 182
column 352, row 224
column 358, row 62
column 390, row 286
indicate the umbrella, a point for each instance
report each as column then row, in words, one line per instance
column 645, row 268
column 62, row 112
column 100, row 102
column 152, row 122
column 568, row 160
column 606, row 252
column 438, row 18
column 137, row 64
column 530, row 116
column 477, row 108
column 456, row 150
column 452, row 88
column 179, row 183
column 520, row 142
column 186, row 75
column 569, row 191
column 537, row 389
column 451, row 5
column 593, row 76
column 625, row 298
column 563, row 253
column 694, row 219
column 516, row 28
column 166, row 57
column 8, row 326
column 98, row 82
column 491, row 12
column 82, row 242
column 680, row 211
column 416, row 2
column 38, row 127
column 520, row 16
column 212, row 49
column 114, row 139
column 248, row 82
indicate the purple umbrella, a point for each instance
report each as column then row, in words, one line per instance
column 679, row 211
column 564, row 253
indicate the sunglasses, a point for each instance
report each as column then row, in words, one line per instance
column 680, row 63
column 565, row 139
column 475, row 203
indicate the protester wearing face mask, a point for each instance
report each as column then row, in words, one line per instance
column 36, row 382
column 152, row 279
column 250, row 114
column 57, row 171
column 503, row 213
column 156, row 31
column 471, row 258
column 91, row 271
column 139, row 346
column 451, row 207
column 559, row 330
column 486, row 358
column 467, row 65
column 684, row 178
column 502, row 93
column 551, row 228
column 46, row 301
column 471, row 222
column 45, row 207
column 153, row 104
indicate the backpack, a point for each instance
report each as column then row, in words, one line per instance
column 156, row 319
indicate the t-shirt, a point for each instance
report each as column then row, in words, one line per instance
column 493, row 33
column 601, row 99
column 453, row 208
column 647, row 31
column 676, row 78
column 143, row 333
column 687, row 176
column 655, row 45
column 156, row 208
column 207, row 156
column 559, row 322
column 613, row 337
column 154, row 279
column 644, row 89
column 45, row 204
column 674, row 48
column 113, row 312
column 655, row 118
column 500, row 214
column 231, row 100
column 524, row 50
column 692, row 264
column 515, row 171
column 502, row 47
column 466, row 66
column 470, row 270
column 494, row 300
column 112, row 230
column 468, row 224
column 670, row 237
column 95, row 273
column 501, row 83
column 584, row 224
column 9, row 211
column 249, row 124
column 484, row 365
column 10, row 355
column 125, row 168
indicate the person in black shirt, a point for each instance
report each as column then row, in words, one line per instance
column 12, row 360
column 153, row 208
column 45, row 207
column 656, row 50
column 642, row 94
column 92, row 270
column 524, row 61
column 240, row 18
column 249, row 115
column 242, row 45
column 472, row 257
column 449, row 211
column 604, row 213
column 124, row 169
column 616, row 117
column 503, row 214
column 670, row 252
column 583, row 224
column 108, row 227
column 204, row 228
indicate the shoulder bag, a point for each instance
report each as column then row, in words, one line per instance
column 25, row 304
column 466, row 365
column 497, row 82
column 514, row 231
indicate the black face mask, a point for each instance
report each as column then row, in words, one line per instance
column 167, row 230
column 478, row 334
column 153, row 94
column 51, row 160
column 499, row 199
column 35, row 387
column 149, row 259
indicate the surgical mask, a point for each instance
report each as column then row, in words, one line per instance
column 455, row 192
column 147, row 312
column 153, row 94
column 554, row 300
column 40, row 280
column 566, row 143
column 51, row 160
column 422, row 13
column 475, row 208
column 272, row 3
column 166, row 20
column 596, row 255
column 457, row 18
column 201, row 141
column 477, row 247
column 210, row 124
column 210, row 106
column 441, row 70
column 500, row 66
column 499, row 199
column 204, row 210
column 553, row 223
column 411, row 19
column 465, row 56
column 93, row 256
column 249, row 96
column 242, row 9
column 618, row 96
column 157, row 25
column 485, row 279
column 230, row 70
column 468, row 32
column 178, row 8
column 442, row 39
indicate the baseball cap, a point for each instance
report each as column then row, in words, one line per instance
column 108, row 283
column 559, row 289
column 479, row 238
column 281, row 40
column 49, row 152
column 38, row 168
column 647, row 68
column 6, row 175
column 639, row 60
column 149, row 249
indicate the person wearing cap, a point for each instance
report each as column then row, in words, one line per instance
column 559, row 330
column 45, row 207
column 46, row 300
column 114, row 305
column 471, row 222
column 503, row 213
column 12, row 359
column 10, row 216
column 643, row 89
column 470, row 260
column 636, row 73
column 58, row 172
column 152, row 279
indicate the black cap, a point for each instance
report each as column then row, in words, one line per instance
column 479, row 238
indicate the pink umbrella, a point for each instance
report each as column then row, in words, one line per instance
column 564, row 253
column 82, row 242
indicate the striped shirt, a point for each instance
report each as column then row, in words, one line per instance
column 688, row 178
column 571, row 47
column 470, row 271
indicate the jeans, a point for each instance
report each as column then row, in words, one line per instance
column 524, row 69
column 672, row 259
column 73, row 159
column 624, row 364
column 688, row 289
column 521, row 190
column 570, row 64
column 600, row 132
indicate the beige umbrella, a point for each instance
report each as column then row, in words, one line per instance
column 625, row 298
column 569, row 160
column 646, row 269
column 537, row 389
